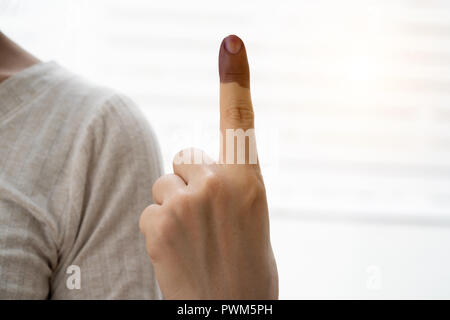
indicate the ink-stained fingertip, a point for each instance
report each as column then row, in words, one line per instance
column 233, row 64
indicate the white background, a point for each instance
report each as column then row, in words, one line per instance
column 352, row 102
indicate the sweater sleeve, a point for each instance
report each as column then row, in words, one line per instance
column 113, row 164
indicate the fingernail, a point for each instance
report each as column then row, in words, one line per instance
column 233, row 65
column 233, row 44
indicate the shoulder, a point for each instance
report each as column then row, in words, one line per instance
column 84, row 102
column 103, row 124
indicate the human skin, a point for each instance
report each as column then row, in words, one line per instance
column 208, row 232
column 13, row 58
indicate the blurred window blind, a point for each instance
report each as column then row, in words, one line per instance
column 352, row 98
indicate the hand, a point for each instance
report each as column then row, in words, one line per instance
column 208, row 232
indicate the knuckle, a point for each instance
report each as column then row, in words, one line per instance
column 166, row 227
column 251, row 190
column 160, row 182
column 239, row 111
column 145, row 217
column 180, row 203
column 212, row 184
column 214, row 189
column 183, row 200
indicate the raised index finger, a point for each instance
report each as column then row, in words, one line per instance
column 236, row 110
